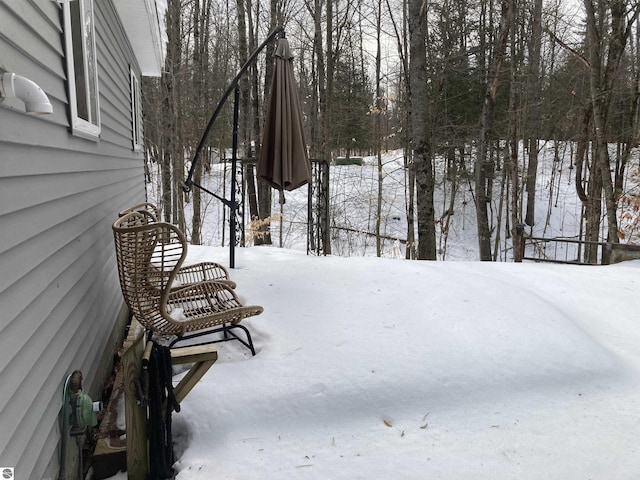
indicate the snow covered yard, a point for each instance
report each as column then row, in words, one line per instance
column 373, row 368
column 376, row 368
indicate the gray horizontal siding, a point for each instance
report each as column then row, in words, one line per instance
column 64, row 324
column 115, row 87
column 59, row 195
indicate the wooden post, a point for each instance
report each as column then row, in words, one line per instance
column 135, row 414
column 134, row 356
column 518, row 243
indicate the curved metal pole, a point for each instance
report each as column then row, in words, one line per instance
column 186, row 185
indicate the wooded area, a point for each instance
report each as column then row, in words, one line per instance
column 480, row 83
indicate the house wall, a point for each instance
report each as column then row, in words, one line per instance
column 60, row 299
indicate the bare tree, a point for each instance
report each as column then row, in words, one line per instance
column 201, row 30
column 422, row 153
column 377, row 112
column 484, row 165
column 534, row 89
column 608, row 28
column 172, row 160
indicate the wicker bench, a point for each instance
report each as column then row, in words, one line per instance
column 150, row 256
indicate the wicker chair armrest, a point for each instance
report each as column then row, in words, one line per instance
column 219, row 293
column 205, row 304
column 201, row 272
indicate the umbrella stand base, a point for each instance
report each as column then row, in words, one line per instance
column 228, row 334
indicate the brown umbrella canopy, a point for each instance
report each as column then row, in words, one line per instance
column 284, row 162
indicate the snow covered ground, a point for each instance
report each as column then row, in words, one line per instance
column 377, row 368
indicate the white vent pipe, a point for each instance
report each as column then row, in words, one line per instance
column 35, row 100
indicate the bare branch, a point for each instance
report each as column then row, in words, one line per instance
column 567, row 47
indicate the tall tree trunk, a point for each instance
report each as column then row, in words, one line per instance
column 319, row 91
column 200, row 69
column 533, row 94
column 325, row 106
column 244, row 125
column 262, row 190
column 169, row 88
column 484, row 164
column 321, row 57
column 411, row 251
column 403, row 47
column 328, row 97
column 631, row 133
column 376, row 128
column 517, row 240
column 421, row 142
column 608, row 29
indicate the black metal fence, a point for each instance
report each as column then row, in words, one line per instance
column 566, row 250
column 571, row 250
column 318, row 241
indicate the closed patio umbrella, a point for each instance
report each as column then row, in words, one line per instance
column 284, row 161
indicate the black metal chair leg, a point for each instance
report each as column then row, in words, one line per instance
column 227, row 335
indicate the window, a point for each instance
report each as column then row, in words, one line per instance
column 136, row 111
column 82, row 71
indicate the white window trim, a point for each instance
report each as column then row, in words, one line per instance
column 80, row 126
column 136, row 111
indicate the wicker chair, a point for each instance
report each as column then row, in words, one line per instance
column 150, row 257
column 195, row 273
column 148, row 207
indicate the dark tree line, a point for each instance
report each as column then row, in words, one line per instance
column 479, row 83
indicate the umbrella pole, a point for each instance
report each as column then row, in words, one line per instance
column 188, row 183
column 281, row 214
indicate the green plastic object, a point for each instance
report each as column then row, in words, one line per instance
column 86, row 415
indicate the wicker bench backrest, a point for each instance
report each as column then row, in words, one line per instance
column 148, row 207
column 149, row 254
